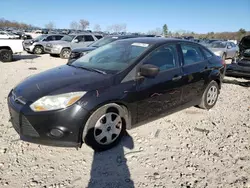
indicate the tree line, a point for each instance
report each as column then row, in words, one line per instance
column 84, row 24
column 210, row 35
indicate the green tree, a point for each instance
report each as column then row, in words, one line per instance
column 165, row 30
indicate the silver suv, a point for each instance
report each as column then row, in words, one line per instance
column 37, row 45
column 68, row 43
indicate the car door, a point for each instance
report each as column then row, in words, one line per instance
column 162, row 93
column 230, row 50
column 234, row 49
column 194, row 68
column 78, row 42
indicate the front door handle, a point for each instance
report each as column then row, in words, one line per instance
column 176, row 78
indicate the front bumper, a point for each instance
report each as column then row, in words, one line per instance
column 52, row 50
column 36, row 127
column 28, row 48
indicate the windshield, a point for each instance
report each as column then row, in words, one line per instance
column 39, row 38
column 68, row 38
column 113, row 57
column 218, row 45
column 103, row 41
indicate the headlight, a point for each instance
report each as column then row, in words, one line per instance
column 84, row 53
column 55, row 102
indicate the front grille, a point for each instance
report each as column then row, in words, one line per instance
column 22, row 125
column 14, row 117
column 27, row 128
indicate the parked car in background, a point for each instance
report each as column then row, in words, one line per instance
column 224, row 49
column 8, row 35
column 79, row 52
column 69, row 42
column 244, row 44
column 241, row 67
column 94, row 99
column 8, row 47
column 37, row 45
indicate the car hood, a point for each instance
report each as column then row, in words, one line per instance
column 62, row 79
column 244, row 43
column 79, row 50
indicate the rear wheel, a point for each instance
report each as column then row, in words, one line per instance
column 210, row 96
column 65, row 53
column 6, row 55
column 105, row 128
column 38, row 50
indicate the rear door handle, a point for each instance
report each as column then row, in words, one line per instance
column 176, row 78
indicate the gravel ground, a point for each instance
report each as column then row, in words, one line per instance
column 191, row 148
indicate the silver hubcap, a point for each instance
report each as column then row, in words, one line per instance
column 38, row 50
column 212, row 95
column 66, row 53
column 5, row 56
column 108, row 128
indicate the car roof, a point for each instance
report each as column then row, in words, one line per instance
column 87, row 33
column 155, row 40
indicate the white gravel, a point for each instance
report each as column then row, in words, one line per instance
column 191, row 148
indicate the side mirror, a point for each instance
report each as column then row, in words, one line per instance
column 149, row 70
column 75, row 40
column 229, row 47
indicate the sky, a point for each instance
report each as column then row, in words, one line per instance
column 200, row 16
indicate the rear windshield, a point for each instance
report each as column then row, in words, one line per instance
column 218, row 44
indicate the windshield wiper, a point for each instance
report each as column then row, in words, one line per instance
column 89, row 69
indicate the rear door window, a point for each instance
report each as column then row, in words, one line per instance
column 88, row 38
column 58, row 37
column 191, row 54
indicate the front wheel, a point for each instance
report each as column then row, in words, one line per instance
column 65, row 53
column 210, row 96
column 6, row 55
column 38, row 50
column 105, row 128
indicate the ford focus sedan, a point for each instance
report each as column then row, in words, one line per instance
column 94, row 99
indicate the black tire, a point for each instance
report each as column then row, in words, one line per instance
column 38, row 50
column 89, row 130
column 6, row 55
column 204, row 100
column 224, row 56
column 65, row 53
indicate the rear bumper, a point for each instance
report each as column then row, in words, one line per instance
column 36, row 127
column 236, row 73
